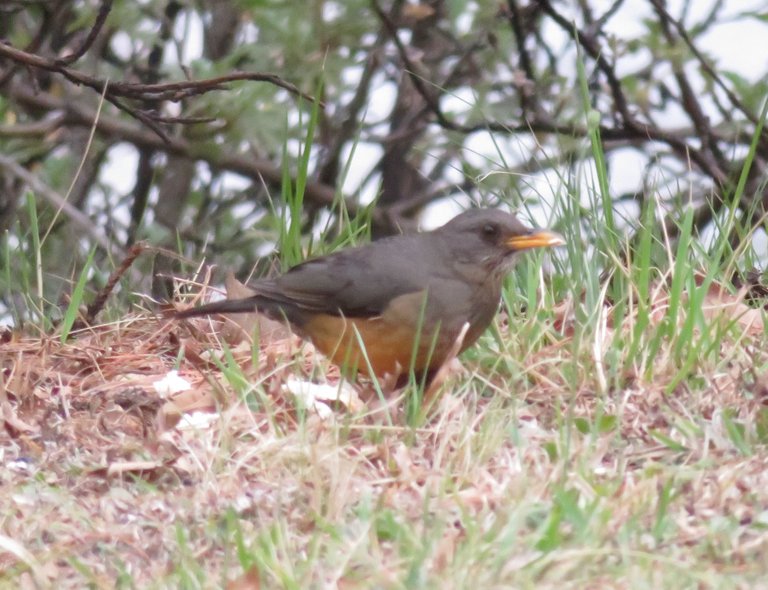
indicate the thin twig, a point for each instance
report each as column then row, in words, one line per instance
column 101, row 297
column 172, row 91
column 101, row 17
column 78, row 218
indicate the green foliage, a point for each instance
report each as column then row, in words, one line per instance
column 71, row 312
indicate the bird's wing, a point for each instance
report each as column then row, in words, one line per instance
column 360, row 282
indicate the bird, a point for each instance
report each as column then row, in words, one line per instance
column 401, row 303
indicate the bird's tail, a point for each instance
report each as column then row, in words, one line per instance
column 246, row 305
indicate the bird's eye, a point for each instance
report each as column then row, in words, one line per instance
column 490, row 230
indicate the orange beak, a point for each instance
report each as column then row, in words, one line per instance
column 538, row 239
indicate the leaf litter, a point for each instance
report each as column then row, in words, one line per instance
column 111, row 445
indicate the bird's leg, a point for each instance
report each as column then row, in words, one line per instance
column 390, row 382
column 438, row 377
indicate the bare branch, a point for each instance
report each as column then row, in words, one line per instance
column 113, row 91
column 116, row 129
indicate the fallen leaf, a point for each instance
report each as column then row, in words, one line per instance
column 317, row 396
column 13, row 424
column 170, row 384
column 250, row 580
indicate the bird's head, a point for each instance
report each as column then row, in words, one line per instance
column 491, row 238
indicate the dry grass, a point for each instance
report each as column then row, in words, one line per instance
column 531, row 470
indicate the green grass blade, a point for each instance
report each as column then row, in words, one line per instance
column 77, row 298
